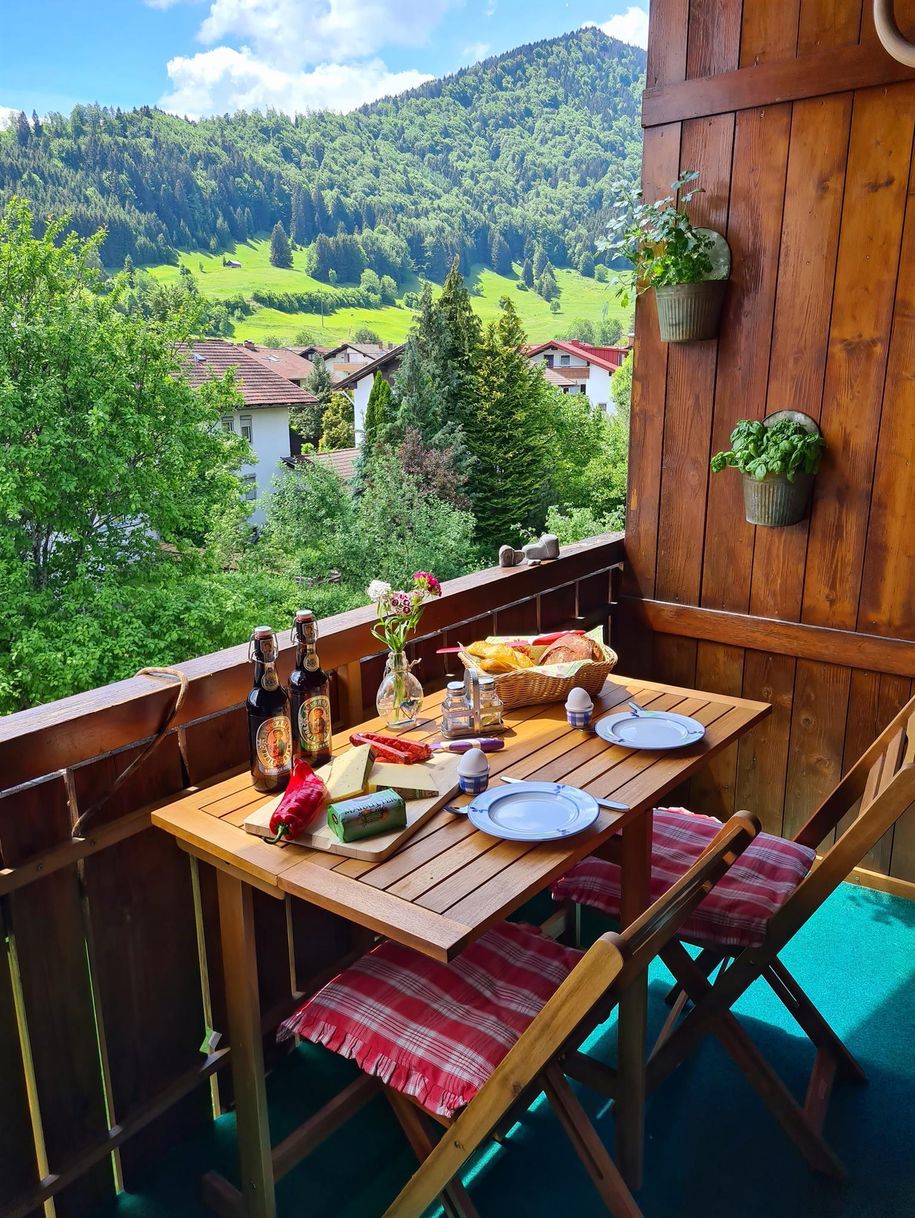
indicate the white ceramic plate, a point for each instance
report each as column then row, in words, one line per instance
column 662, row 730
column 533, row 811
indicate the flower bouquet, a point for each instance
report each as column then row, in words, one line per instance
column 400, row 694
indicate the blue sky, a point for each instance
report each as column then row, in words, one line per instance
column 207, row 56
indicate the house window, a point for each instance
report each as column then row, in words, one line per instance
column 548, row 360
column 582, row 388
column 250, row 485
column 564, row 361
column 247, row 429
column 228, row 422
column 602, row 406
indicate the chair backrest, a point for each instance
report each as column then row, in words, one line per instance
column 872, row 796
column 582, row 997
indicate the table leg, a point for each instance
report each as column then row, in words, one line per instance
column 236, row 924
column 635, row 867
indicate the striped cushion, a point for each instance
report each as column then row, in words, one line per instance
column 735, row 912
column 436, row 1031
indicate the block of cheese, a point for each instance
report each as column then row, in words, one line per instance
column 409, row 781
column 348, row 774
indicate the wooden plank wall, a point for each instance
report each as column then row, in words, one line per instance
column 103, row 1003
column 806, row 162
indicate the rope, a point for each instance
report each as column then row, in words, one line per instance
column 156, row 674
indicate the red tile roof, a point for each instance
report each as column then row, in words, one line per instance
column 603, row 357
column 259, row 385
column 283, row 360
column 342, row 462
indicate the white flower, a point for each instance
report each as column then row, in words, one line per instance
column 377, row 590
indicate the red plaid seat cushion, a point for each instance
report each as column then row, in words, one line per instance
column 436, row 1031
column 735, row 912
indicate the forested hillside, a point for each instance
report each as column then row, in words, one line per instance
column 520, row 151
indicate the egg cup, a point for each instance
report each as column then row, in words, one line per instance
column 580, row 719
column 473, row 784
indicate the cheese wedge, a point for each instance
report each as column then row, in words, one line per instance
column 408, row 781
column 347, row 775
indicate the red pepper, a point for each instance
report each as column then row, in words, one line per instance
column 393, row 748
column 306, row 796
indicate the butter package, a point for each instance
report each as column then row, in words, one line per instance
column 367, row 816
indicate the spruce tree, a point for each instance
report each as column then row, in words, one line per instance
column 280, row 249
column 510, row 477
column 377, row 415
column 527, row 273
column 500, row 255
column 540, row 261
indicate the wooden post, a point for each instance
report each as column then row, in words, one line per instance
column 236, row 922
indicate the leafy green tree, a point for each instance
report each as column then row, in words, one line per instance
column 507, row 438
column 109, row 454
column 364, row 334
column 308, row 418
column 554, row 306
column 339, row 430
column 621, row 388
column 611, row 331
column 586, row 265
column 280, row 249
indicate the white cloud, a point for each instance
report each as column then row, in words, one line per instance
column 161, row 4
column 297, row 55
column 298, row 32
column 8, row 115
column 224, row 80
column 475, row 51
column 631, row 26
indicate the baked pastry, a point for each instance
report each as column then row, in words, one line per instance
column 570, row 647
column 498, row 657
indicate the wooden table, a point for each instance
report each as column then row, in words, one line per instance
column 447, row 883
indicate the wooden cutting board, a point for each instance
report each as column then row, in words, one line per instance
column 443, row 766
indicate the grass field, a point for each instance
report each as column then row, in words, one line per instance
column 580, row 299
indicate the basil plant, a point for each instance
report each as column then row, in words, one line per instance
column 785, row 448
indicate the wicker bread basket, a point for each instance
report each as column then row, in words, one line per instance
column 528, row 686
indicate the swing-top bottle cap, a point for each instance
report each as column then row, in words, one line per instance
column 304, row 615
column 263, row 632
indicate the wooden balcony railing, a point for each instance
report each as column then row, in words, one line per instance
column 110, row 980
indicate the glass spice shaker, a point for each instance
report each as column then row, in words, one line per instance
column 491, row 705
column 457, row 716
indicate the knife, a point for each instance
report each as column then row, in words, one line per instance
column 603, row 803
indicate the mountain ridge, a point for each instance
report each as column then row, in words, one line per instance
column 522, row 149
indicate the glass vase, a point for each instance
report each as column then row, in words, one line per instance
column 400, row 694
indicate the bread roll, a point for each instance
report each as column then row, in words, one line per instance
column 571, row 647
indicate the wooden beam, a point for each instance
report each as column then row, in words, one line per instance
column 870, row 652
column 817, row 74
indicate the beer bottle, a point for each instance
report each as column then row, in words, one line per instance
column 309, row 691
column 269, row 726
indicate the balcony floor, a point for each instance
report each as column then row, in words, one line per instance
column 712, row 1148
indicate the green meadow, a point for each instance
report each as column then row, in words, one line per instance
column 580, row 298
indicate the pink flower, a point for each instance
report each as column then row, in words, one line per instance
column 401, row 602
column 427, row 582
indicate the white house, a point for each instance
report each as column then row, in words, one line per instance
column 358, row 384
column 575, row 367
column 263, row 420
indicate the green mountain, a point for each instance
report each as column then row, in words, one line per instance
column 518, row 152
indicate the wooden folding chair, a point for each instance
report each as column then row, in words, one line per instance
column 872, row 796
column 545, row 1051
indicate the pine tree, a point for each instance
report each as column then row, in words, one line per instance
column 280, row 250
column 527, row 273
column 319, row 383
column 507, row 441
column 338, row 426
column 23, row 130
column 500, row 255
column 377, row 415
column 540, row 261
column 308, row 419
column 298, row 227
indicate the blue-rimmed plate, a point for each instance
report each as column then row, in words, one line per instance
column 658, row 730
column 533, row 811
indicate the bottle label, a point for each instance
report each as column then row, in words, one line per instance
column 314, row 724
column 312, row 663
column 273, row 744
column 270, row 680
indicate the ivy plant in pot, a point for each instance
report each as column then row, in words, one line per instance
column 687, row 267
column 778, row 459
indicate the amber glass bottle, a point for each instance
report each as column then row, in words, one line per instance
column 269, row 726
column 309, row 691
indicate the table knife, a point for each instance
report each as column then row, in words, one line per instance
column 604, row 803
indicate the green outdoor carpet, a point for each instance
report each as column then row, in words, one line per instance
column 712, row 1149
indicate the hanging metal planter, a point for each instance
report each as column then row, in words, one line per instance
column 691, row 312
column 774, row 501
